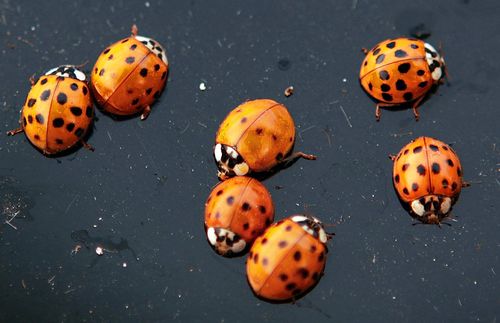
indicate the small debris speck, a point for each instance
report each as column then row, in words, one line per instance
column 203, row 86
column 289, row 91
column 99, row 251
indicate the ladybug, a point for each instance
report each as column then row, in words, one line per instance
column 236, row 212
column 255, row 137
column 401, row 70
column 130, row 75
column 427, row 176
column 288, row 260
column 58, row 111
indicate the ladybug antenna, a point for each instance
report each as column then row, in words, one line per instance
column 81, row 65
column 134, row 30
column 445, row 70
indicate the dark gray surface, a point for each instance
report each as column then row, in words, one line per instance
column 148, row 180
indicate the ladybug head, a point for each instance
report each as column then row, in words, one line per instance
column 431, row 209
column 311, row 225
column 435, row 61
column 67, row 71
column 229, row 162
column 225, row 242
column 154, row 47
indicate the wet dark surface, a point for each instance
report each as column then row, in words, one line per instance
column 142, row 192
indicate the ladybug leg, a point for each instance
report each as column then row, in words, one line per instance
column 392, row 157
column 378, row 112
column 416, row 106
column 465, row 184
column 134, row 30
column 15, row 131
column 364, row 50
column 87, row 146
column 146, row 112
column 32, row 80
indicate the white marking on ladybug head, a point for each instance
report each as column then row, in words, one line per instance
column 311, row 225
column 225, row 242
column 446, row 205
column 435, row 62
column 67, row 71
column 229, row 162
column 431, row 208
column 418, row 208
column 218, row 152
column 154, row 47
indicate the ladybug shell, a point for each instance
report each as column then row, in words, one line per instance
column 261, row 131
column 242, row 206
column 427, row 166
column 57, row 113
column 397, row 71
column 129, row 76
column 285, row 262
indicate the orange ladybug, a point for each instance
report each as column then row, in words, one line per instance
column 427, row 176
column 236, row 212
column 401, row 70
column 58, row 111
column 255, row 137
column 130, row 75
column 288, row 259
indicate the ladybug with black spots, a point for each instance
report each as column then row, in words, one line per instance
column 130, row 75
column 236, row 212
column 256, row 137
column 288, row 260
column 58, row 111
column 401, row 71
column 427, row 176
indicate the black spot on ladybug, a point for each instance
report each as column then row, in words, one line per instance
column 156, row 95
column 391, row 44
column 110, row 57
column 400, row 53
column 79, row 132
column 279, row 156
column 420, row 72
column 160, row 55
column 255, row 258
column 125, row 40
column 384, row 75
column 445, row 183
column 265, row 261
column 376, row 52
column 365, row 63
column 283, row 277
column 219, row 192
column 259, row 131
column 157, row 67
column 101, row 72
column 404, row 68
column 76, row 111
column 312, row 248
column 297, row 255
column 288, row 228
column 148, row 91
column 95, row 70
column 268, row 221
column 144, row 42
column 58, row 122
column 144, row 72
column 450, row 162
column 264, row 241
column 37, row 137
column 39, row 118
column 414, row 46
column 434, row 147
column 421, row 170
column 274, row 137
column 70, row 126
column 406, row 152
column 130, row 60
column 445, row 147
column 414, row 187
column 43, row 81
column 133, row 47
column 217, row 215
column 396, row 178
column 370, row 86
column 408, row 96
column 30, row 119
column 163, row 75
column 291, row 286
column 85, row 90
column 422, row 84
column 31, row 102
column 385, row 87
column 405, row 167
column 45, row 95
column 60, row 78
column 400, row 85
column 454, row 186
column 245, row 206
column 417, row 149
column 88, row 111
column 387, row 97
column 158, row 48
column 135, row 101
column 315, row 276
column 282, row 244
column 405, row 190
column 152, row 42
column 106, row 50
column 230, row 200
column 59, row 141
column 380, row 58
column 24, row 121
column 74, row 86
column 303, row 272
column 246, row 226
column 321, row 257
column 62, row 98
column 435, row 168
column 262, row 209
column 130, row 91
column 459, row 172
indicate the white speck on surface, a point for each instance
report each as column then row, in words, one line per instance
column 99, row 251
column 124, row 265
column 203, row 86
column 344, row 80
column 147, row 4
